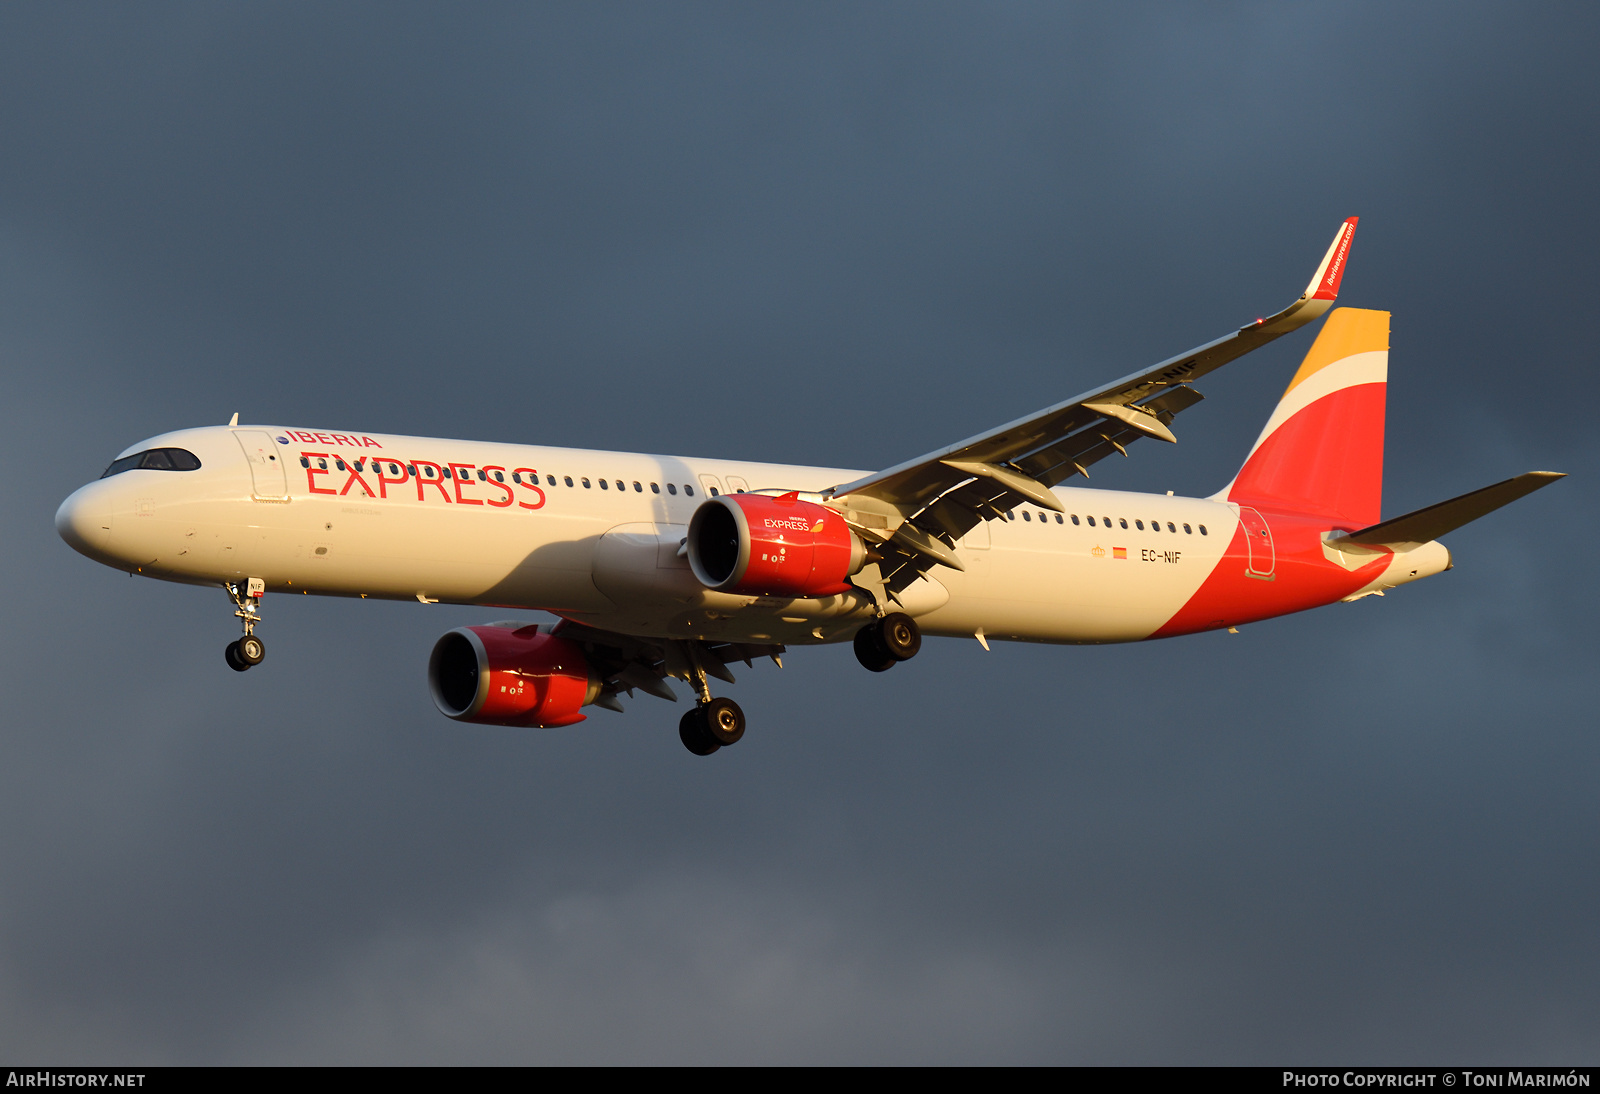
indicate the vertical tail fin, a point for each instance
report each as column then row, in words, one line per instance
column 1321, row 452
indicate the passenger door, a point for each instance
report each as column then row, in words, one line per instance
column 266, row 467
column 1263, row 559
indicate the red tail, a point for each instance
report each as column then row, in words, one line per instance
column 1321, row 453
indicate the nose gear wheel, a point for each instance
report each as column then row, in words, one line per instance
column 248, row 651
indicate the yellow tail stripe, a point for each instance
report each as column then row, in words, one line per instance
column 1348, row 331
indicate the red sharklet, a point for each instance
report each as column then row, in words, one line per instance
column 1328, row 287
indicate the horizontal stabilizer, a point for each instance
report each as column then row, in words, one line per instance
column 1436, row 520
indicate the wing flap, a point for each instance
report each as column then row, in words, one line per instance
column 629, row 663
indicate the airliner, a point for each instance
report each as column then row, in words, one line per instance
column 670, row 567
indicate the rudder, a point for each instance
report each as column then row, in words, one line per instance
column 1321, row 452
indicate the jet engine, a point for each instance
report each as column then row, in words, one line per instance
column 772, row 546
column 510, row 677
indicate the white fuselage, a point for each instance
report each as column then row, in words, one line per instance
column 604, row 550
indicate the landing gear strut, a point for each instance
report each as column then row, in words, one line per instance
column 713, row 722
column 883, row 643
column 249, row 650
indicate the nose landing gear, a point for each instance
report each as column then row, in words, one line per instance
column 249, row 650
column 883, row 643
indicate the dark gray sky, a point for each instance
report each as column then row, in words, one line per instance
column 823, row 234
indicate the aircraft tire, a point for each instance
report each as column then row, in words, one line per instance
column 899, row 636
column 235, row 662
column 870, row 651
column 694, row 733
column 250, row 649
column 724, row 721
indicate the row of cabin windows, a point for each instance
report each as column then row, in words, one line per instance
column 1155, row 525
column 672, row 488
column 499, row 476
column 605, row 484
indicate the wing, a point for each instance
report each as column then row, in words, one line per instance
column 626, row 664
column 917, row 510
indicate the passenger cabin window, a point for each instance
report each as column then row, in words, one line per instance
column 671, row 489
column 620, row 486
column 604, row 485
column 1139, row 524
column 1122, row 521
column 1155, row 526
column 567, row 479
column 1202, row 529
column 1186, row 530
column 1060, row 519
column 1170, row 527
column 637, row 489
column 1074, row 518
column 715, row 493
column 688, row 490
column 155, row 459
column 585, row 483
column 654, row 489
column 1091, row 522
column 1025, row 515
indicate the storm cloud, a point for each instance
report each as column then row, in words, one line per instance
column 835, row 234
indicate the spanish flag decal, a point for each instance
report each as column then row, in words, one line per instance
column 1119, row 552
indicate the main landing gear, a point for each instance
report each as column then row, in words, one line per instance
column 248, row 651
column 883, row 643
column 711, row 725
column 713, row 722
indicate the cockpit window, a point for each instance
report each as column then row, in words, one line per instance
column 155, row 459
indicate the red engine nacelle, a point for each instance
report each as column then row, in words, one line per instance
column 510, row 677
column 766, row 546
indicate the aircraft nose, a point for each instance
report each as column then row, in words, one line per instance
column 84, row 520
